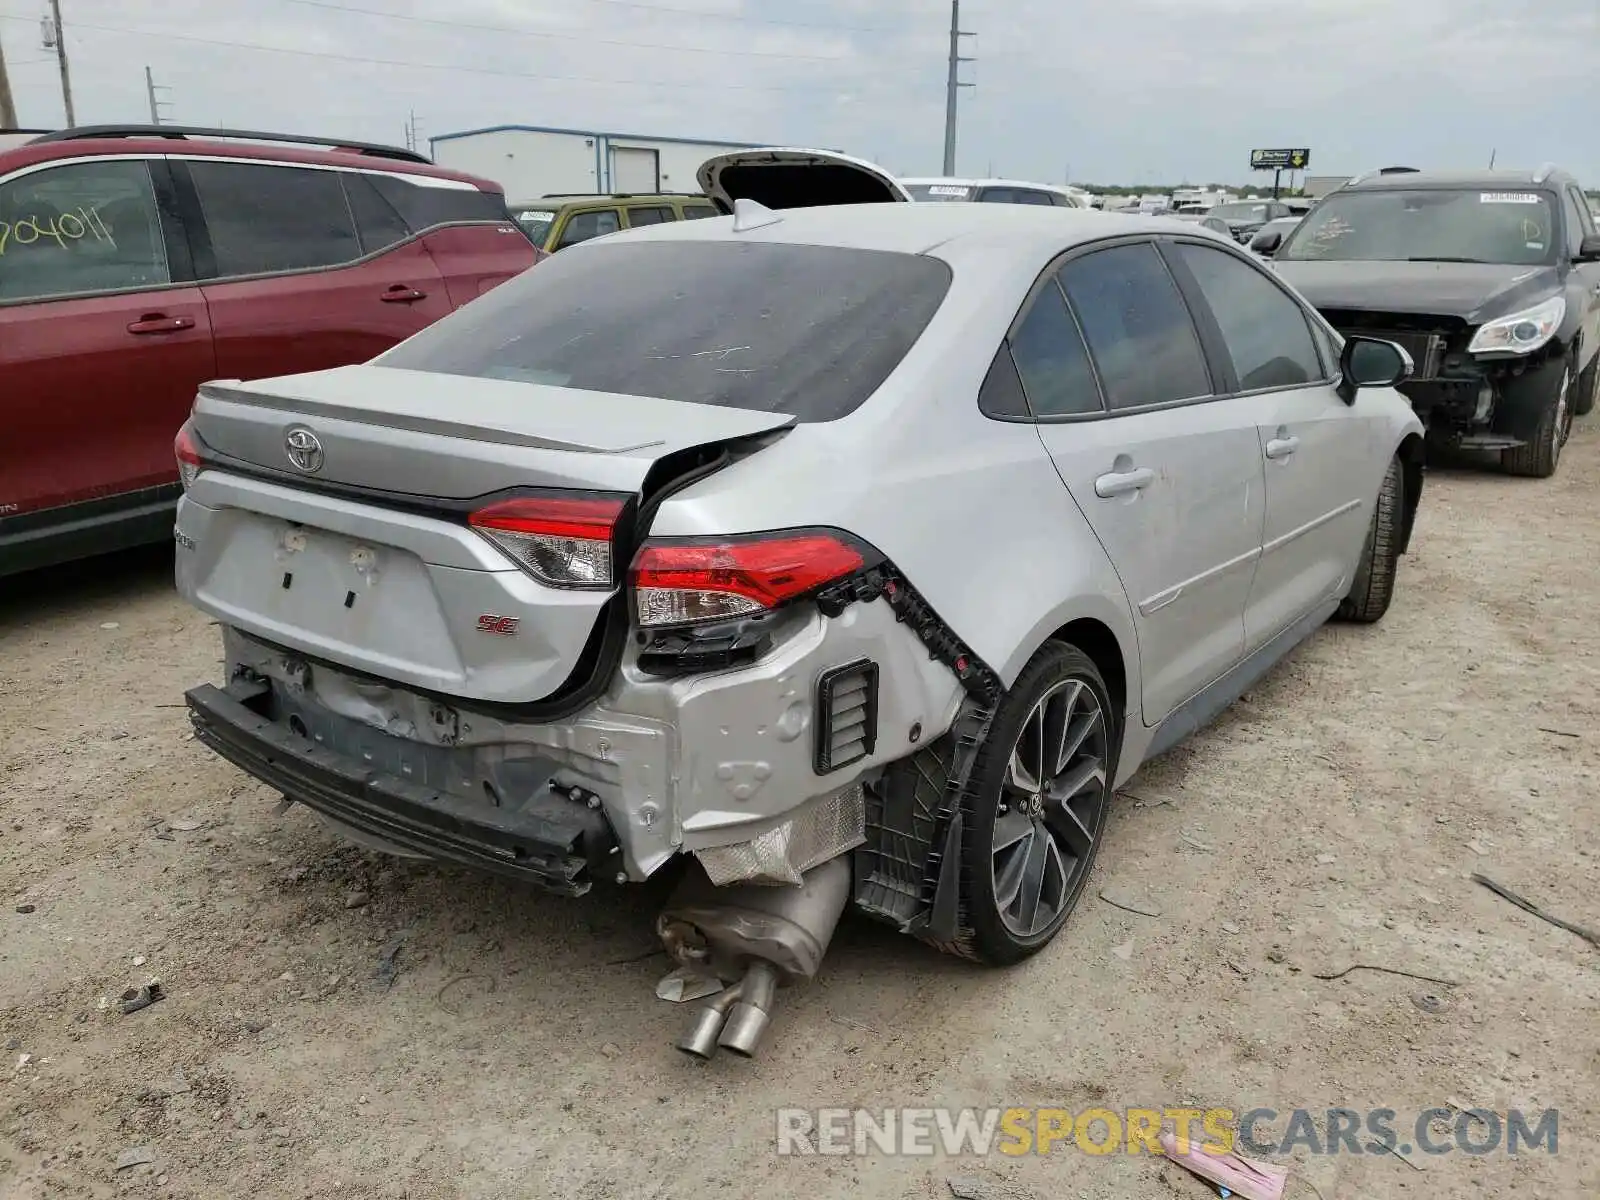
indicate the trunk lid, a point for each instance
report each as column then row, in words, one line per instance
column 380, row 572
column 790, row 177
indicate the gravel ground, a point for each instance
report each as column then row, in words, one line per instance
column 1332, row 817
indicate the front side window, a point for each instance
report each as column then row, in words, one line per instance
column 1029, row 196
column 79, row 229
column 1052, row 360
column 1138, row 328
column 585, row 225
column 1470, row 225
column 768, row 326
column 265, row 218
column 1265, row 331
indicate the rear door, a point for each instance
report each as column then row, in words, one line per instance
column 288, row 281
column 103, row 338
column 1323, row 459
column 1168, row 474
column 469, row 232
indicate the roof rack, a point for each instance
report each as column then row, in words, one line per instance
column 183, row 132
column 611, row 195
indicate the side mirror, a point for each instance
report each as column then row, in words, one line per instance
column 1267, row 243
column 1370, row 362
column 1589, row 249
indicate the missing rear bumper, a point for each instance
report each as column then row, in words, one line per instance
column 549, row 840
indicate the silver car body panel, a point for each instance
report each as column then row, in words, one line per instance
column 998, row 524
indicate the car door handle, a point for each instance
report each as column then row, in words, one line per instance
column 1282, row 447
column 1123, row 483
column 161, row 323
column 401, row 294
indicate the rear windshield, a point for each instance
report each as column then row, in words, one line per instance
column 806, row 330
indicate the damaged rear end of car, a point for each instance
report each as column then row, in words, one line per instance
column 450, row 631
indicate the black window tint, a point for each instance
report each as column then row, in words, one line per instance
column 378, row 223
column 585, row 225
column 697, row 212
column 1265, row 331
column 1025, row 196
column 1001, row 395
column 1137, row 326
column 271, row 218
column 88, row 227
column 648, row 216
column 997, row 195
column 769, row 326
column 424, row 205
column 1052, row 361
column 1573, row 219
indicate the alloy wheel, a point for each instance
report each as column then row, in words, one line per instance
column 1053, row 796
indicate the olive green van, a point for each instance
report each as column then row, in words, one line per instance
column 555, row 222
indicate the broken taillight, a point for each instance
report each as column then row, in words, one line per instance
column 187, row 451
column 565, row 541
column 683, row 582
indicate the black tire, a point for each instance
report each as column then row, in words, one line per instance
column 1588, row 389
column 987, row 932
column 1539, row 456
column 1373, row 587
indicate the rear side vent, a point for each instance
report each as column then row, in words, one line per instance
column 847, row 715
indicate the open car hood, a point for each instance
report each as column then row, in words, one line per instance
column 786, row 177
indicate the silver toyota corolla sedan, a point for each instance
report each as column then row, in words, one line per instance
column 846, row 555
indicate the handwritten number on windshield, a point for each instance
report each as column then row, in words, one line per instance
column 59, row 230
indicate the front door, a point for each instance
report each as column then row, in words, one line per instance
column 1169, row 477
column 1318, row 452
column 103, row 343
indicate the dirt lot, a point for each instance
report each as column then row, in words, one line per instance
column 1332, row 817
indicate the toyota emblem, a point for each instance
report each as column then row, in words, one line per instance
column 305, row 450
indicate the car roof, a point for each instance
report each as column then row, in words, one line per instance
column 32, row 152
column 1501, row 180
column 919, row 228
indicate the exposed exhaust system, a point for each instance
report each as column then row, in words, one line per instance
column 754, row 937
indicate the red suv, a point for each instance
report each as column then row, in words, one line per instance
column 137, row 262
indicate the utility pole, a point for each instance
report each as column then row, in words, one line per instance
column 8, row 108
column 151, row 87
column 61, row 60
column 953, row 86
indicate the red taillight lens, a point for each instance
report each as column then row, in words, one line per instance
column 678, row 583
column 187, row 452
column 564, row 541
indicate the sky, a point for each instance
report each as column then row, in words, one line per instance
column 1103, row 91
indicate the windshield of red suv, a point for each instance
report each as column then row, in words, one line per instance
column 1475, row 225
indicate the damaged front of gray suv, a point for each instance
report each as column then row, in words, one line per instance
column 719, row 541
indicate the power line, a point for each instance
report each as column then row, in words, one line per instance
column 420, row 66
column 565, row 37
column 665, row 8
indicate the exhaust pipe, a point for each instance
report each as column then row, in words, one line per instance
column 760, row 937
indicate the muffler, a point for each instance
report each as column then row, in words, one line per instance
column 755, row 938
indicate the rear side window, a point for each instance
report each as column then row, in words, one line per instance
column 648, row 216
column 585, row 225
column 1052, row 361
column 698, row 212
column 87, row 227
column 1137, row 326
column 1028, row 196
column 1265, row 331
column 424, row 205
column 378, row 222
column 265, row 218
column 807, row 330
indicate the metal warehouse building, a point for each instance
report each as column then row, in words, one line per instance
column 530, row 161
